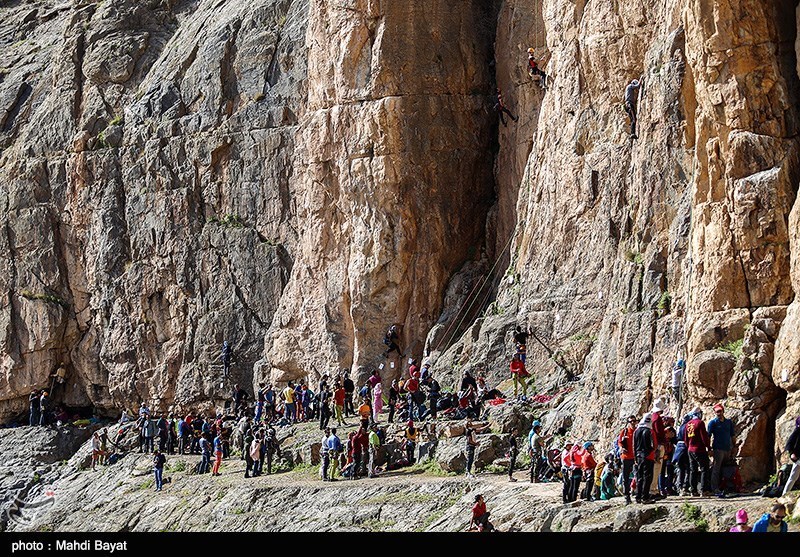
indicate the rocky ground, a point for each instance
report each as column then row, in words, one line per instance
column 57, row 492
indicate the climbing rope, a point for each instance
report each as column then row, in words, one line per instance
column 483, row 284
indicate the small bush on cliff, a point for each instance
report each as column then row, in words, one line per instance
column 49, row 298
column 733, row 347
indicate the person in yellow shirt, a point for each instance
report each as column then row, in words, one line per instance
column 288, row 402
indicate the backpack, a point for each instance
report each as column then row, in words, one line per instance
column 775, row 489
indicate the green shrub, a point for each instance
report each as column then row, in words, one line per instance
column 734, row 347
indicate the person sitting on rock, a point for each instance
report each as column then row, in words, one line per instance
column 480, row 516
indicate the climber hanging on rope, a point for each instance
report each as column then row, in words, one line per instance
column 631, row 99
column 501, row 108
column 534, row 71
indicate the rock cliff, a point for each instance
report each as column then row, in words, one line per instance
column 294, row 176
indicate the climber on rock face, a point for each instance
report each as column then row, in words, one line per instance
column 226, row 357
column 500, row 108
column 631, row 99
column 534, row 70
column 390, row 340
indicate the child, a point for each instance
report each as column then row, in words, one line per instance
column 741, row 522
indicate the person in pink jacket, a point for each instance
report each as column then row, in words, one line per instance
column 377, row 401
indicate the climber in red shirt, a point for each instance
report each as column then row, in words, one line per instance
column 534, row 70
column 519, row 374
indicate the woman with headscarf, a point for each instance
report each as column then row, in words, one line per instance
column 377, row 401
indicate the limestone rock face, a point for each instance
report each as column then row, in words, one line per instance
column 295, row 176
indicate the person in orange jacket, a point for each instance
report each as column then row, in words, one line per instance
column 588, row 464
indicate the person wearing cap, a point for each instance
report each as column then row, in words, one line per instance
column 536, row 448
column 588, row 465
column 793, row 449
column 774, row 521
column 631, row 100
column 741, row 522
column 680, row 458
column 644, row 451
column 533, row 69
column 627, row 455
column 721, row 432
column 659, row 440
column 697, row 444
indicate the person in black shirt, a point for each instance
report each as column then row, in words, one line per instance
column 349, row 389
column 394, row 394
column 158, row 467
column 513, row 451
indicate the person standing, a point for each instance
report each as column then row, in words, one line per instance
column 519, row 374
column 696, row 438
column 434, row 394
column 158, row 468
column 513, row 451
column 324, row 455
column 659, row 440
column 588, row 465
column 349, row 389
column 537, row 451
column 96, row 452
column 377, row 401
column 339, row 395
column 288, row 402
column 793, row 448
column 334, row 451
column 644, row 449
column 374, row 447
column 324, row 403
column 255, row 453
column 205, row 451
column 566, row 474
column 411, row 433
column 44, row 408
column 217, row 454
column 627, row 455
column 721, row 431
column 248, row 458
column 394, row 395
column 33, row 401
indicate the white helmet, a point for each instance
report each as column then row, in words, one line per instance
column 635, row 82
